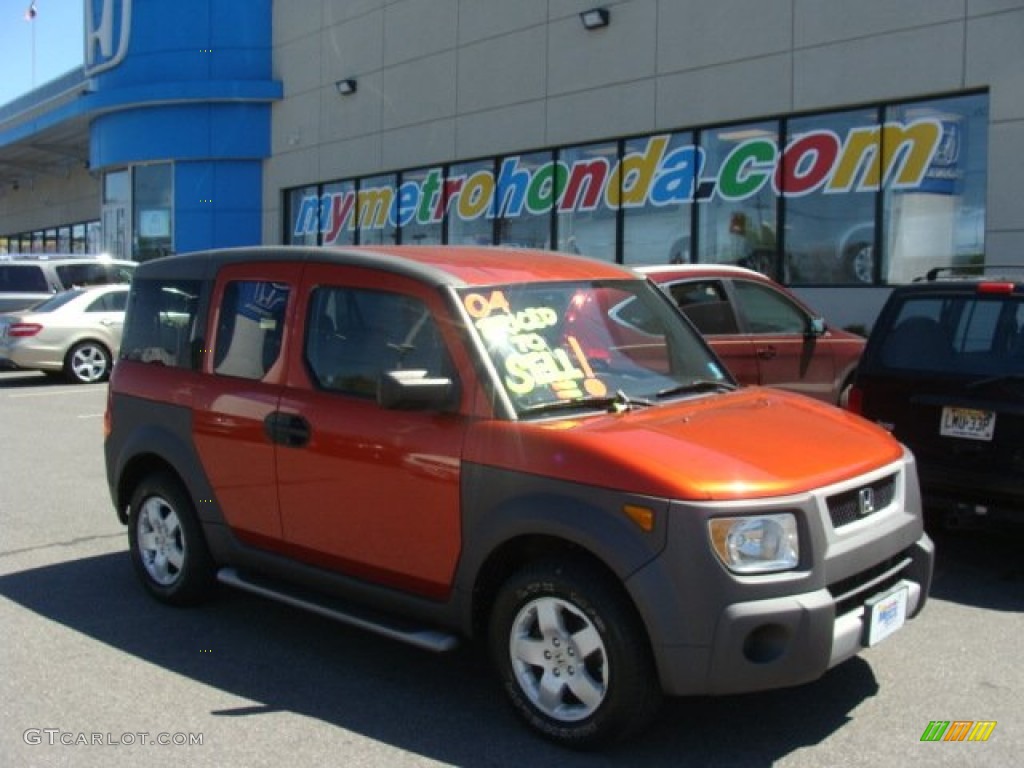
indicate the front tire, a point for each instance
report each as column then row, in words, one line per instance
column 88, row 362
column 166, row 543
column 572, row 656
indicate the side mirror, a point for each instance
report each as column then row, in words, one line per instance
column 817, row 327
column 413, row 390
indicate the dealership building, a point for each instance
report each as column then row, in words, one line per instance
column 839, row 147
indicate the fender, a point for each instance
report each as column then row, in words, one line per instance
column 165, row 434
column 500, row 506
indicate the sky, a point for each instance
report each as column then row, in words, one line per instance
column 37, row 51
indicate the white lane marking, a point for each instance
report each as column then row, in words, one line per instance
column 15, row 396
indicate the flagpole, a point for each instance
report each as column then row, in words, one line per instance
column 30, row 17
column 33, row 53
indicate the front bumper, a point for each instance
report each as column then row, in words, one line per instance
column 713, row 632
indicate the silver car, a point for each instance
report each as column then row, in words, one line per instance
column 77, row 333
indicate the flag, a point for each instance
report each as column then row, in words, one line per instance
column 30, row 12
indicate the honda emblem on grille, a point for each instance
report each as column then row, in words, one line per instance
column 865, row 502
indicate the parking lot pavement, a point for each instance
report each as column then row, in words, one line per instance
column 85, row 655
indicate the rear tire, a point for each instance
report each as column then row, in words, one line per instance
column 572, row 655
column 166, row 542
column 88, row 362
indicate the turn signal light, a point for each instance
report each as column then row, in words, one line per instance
column 642, row 516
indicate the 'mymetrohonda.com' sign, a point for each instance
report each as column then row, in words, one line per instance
column 895, row 155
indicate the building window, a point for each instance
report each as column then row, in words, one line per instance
column 586, row 219
column 830, row 232
column 526, row 193
column 737, row 209
column 375, row 199
column 657, row 207
column 152, row 211
column 939, row 222
column 868, row 196
column 469, row 203
column 419, row 207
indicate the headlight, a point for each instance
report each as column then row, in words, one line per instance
column 756, row 544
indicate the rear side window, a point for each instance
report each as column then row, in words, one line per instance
column 115, row 301
column 160, row 323
column 250, row 327
column 23, row 278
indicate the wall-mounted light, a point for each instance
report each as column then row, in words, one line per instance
column 346, row 86
column 595, row 18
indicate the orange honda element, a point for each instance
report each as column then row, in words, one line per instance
column 522, row 447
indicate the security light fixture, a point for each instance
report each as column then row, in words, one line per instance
column 595, row 18
column 346, row 86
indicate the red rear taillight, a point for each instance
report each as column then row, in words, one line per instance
column 108, row 415
column 995, row 287
column 23, row 329
column 855, row 400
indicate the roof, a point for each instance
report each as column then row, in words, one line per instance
column 435, row 264
column 697, row 270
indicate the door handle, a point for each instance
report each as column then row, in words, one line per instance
column 288, row 429
column 767, row 353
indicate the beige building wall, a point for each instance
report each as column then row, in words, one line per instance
column 445, row 80
column 71, row 197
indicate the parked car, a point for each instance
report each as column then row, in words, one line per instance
column 944, row 372
column 25, row 281
column 762, row 331
column 76, row 332
column 431, row 443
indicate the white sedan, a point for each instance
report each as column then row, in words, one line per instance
column 77, row 333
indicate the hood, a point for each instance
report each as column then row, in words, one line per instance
column 752, row 443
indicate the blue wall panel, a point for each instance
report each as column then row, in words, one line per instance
column 218, row 204
column 195, row 89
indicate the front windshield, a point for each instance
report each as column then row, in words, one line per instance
column 589, row 343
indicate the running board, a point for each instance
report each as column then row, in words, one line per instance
column 427, row 639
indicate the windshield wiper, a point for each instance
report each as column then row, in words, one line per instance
column 617, row 403
column 696, row 386
column 999, row 378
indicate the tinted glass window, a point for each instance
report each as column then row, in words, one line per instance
column 355, row 335
column 707, row 305
column 93, row 274
column 109, row 302
column 768, row 311
column 22, row 278
column 250, row 327
column 160, row 322
column 957, row 334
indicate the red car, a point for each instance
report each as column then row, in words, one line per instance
column 762, row 332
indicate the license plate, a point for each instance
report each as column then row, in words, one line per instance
column 886, row 613
column 970, row 423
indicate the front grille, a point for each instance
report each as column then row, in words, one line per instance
column 853, row 505
column 849, row 593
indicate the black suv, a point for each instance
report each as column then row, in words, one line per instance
column 944, row 372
